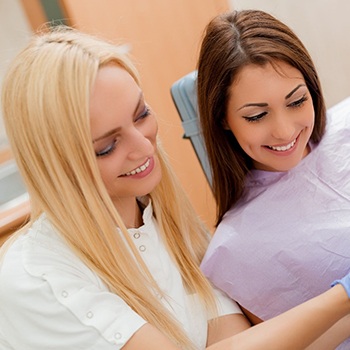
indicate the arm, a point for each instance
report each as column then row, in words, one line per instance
column 226, row 326
column 329, row 340
column 229, row 320
column 293, row 330
column 150, row 338
column 251, row 317
column 334, row 336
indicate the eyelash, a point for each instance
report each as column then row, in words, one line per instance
column 298, row 103
column 145, row 114
column 255, row 118
column 258, row 117
column 109, row 149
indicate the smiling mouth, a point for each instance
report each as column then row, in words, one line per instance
column 138, row 170
column 283, row 148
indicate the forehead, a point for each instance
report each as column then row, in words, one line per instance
column 113, row 100
column 255, row 79
column 111, row 81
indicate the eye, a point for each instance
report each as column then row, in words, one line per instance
column 298, row 103
column 255, row 118
column 107, row 150
column 145, row 113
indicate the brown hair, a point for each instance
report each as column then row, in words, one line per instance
column 232, row 41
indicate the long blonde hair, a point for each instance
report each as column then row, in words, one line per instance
column 46, row 112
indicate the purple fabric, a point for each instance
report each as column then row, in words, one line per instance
column 289, row 238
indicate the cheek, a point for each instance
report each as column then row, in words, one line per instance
column 309, row 115
column 154, row 129
column 149, row 128
column 104, row 171
column 152, row 132
column 246, row 135
column 108, row 169
column 250, row 145
column 238, row 132
column 312, row 118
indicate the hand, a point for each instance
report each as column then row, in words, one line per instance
column 345, row 282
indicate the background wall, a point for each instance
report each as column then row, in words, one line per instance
column 164, row 37
column 324, row 28
column 14, row 32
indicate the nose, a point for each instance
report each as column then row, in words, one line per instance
column 141, row 145
column 282, row 129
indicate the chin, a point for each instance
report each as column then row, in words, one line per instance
column 151, row 186
column 289, row 166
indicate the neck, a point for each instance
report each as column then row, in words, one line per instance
column 130, row 212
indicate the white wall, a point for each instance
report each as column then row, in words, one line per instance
column 14, row 32
column 324, row 28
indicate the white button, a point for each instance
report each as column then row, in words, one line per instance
column 117, row 336
column 136, row 235
column 142, row 248
column 89, row 314
column 64, row 294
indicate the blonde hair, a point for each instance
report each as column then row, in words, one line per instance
column 46, row 112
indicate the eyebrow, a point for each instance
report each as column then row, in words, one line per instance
column 293, row 91
column 253, row 105
column 265, row 104
column 115, row 130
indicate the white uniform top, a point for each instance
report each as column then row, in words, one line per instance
column 49, row 299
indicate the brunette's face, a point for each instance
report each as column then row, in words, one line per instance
column 271, row 114
column 124, row 132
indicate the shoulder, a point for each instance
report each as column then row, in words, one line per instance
column 338, row 118
column 340, row 109
column 46, row 290
column 38, row 263
column 330, row 158
column 39, row 251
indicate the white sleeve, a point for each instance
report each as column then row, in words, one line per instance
column 50, row 301
column 225, row 304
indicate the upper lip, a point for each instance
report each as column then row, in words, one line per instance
column 284, row 144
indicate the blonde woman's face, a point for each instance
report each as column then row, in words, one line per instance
column 271, row 115
column 124, row 134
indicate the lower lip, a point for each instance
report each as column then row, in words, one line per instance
column 285, row 153
column 142, row 174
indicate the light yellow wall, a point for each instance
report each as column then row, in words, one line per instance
column 324, row 27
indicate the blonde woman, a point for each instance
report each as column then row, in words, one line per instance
column 110, row 257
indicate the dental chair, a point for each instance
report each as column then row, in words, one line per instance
column 184, row 95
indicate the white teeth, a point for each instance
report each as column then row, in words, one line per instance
column 138, row 170
column 283, row 148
